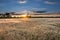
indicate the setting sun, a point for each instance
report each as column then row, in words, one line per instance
column 25, row 16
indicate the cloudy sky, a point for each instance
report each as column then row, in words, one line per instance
column 19, row 5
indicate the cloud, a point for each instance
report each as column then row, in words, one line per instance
column 48, row 2
column 39, row 9
column 22, row 1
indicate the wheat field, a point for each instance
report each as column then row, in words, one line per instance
column 30, row 29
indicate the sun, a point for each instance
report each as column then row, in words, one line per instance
column 25, row 16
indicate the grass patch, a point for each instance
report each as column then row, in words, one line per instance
column 57, row 25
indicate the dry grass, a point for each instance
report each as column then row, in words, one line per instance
column 30, row 29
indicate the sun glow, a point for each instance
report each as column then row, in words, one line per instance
column 24, row 16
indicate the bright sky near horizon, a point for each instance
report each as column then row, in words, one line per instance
column 19, row 5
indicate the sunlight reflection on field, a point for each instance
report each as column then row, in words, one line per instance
column 25, row 19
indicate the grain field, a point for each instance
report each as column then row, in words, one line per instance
column 30, row 29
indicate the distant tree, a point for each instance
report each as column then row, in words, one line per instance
column 7, row 15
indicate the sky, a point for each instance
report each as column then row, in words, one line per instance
column 36, row 5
